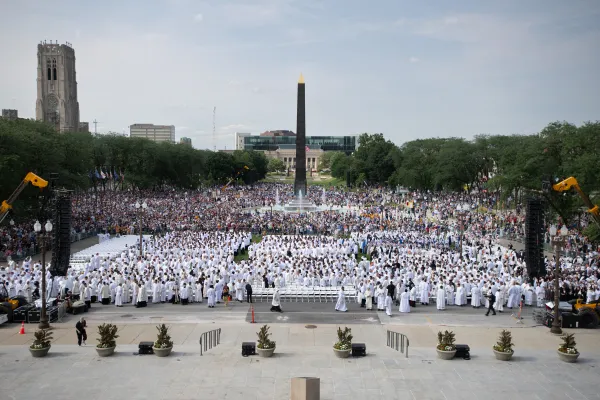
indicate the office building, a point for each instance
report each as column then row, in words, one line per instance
column 11, row 115
column 186, row 140
column 282, row 145
column 156, row 133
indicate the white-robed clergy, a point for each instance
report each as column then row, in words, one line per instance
column 458, row 298
column 341, row 301
column 441, row 299
column 404, row 304
column 388, row 305
column 239, row 291
column 368, row 299
column 276, row 302
column 211, row 296
column 476, row 297
column 119, row 296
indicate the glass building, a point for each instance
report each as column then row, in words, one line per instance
column 347, row 144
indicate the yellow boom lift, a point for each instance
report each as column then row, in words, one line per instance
column 589, row 314
column 29, row 178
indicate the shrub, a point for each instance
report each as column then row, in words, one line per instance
column 504, row 343
column 263, row 339
column 344, row 339
column 568, row 344
column 43, row 337
column 446, row 341
column 108, row 334
column 163, row 339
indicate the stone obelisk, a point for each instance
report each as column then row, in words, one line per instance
column 300, row 180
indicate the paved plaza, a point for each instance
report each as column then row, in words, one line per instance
column 72, row 372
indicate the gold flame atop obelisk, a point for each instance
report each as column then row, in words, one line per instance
column 301, row 79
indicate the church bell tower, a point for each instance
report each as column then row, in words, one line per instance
column 57, row 87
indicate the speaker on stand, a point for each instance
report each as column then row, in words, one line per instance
column 61, row 245
column 534, row 238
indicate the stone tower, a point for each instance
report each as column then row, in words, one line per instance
column 57, row 87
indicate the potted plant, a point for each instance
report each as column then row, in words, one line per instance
column 343, row 346
column 106, row 342
column 503, row 349
column 567, row 351
column 266, row 347
column 163, row 344
column 446, row 350
column 41, row 344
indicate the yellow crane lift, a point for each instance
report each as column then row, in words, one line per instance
column 29, row 178
column 571, row 182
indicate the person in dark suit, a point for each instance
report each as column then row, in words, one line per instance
column 80, row 330
column 248, row 292
column 492, row 299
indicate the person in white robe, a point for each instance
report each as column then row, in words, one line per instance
column 440, row 301
column 450, row 294
column 514, row 296
column 184, row 294
column 476, row 297
column 134, row 293
column 105, row 294
column 458, row 298
column 211, row 297
column 380, row 298
column 369, row 299
column 424, row 293
column 404, row 302
column 341, row 301
column 119, row 296
column 199, row 296
column 239, row 291
column 125, row 293
column 540, row 295
column 388, row 305
column 500, row 297
column 276, row 302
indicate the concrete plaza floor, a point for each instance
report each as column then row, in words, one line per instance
column 72, row 372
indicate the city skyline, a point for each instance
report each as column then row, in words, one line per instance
column 404, row 69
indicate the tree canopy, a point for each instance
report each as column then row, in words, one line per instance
column 82, row 159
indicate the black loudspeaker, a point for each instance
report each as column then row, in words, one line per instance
column 61, row 245
column 534, row 238
column 359, row 350
column 145, row 348
column 464, row 351
column 348, row 183
column 248, row 349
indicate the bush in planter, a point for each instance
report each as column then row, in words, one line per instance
column 344, row 339
column 42, row 340
column 264, row 342
column 568, row 344
column 504, row 343
column 163, row 339
column 446, row 341
column 108, row 334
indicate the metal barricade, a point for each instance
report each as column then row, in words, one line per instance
column 210, row 339
column 398, row 342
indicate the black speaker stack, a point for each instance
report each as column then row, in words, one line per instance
column 61, row 239
column 534, row 238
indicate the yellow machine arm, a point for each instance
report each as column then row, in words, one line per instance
column 571, row 182
column 29, row 178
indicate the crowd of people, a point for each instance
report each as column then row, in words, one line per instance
column 390, row 248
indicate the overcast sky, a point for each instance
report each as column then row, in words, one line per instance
column 408, row 69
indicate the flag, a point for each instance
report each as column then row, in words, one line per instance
column 97, row 174
column 307, row 148
column 102, row 174
column 115, row 176
column 246, row 167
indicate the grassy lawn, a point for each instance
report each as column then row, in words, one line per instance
column 244, row 256
column 323, row 180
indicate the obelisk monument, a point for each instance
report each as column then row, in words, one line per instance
column 300, row 180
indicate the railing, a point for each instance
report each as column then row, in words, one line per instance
column 398, row 342
column 210, row 339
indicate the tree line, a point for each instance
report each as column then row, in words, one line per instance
column 83, row 160
column 514, row 166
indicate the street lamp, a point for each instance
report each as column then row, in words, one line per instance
column 37, row 227
column 141, row 208
column 462, row 212
column 558, row 239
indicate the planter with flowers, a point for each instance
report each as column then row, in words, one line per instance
column 265, row 346
column 106, row 342
column 567, row 351
column 446, row 349
column 41, row 344
column 503, row 349
column 163, row 344
column 343, row 346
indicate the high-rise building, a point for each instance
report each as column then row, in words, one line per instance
column 157, row 133
column 11, row 115
column 84, row 127
column 186, row 140
column 239, row 140
column 57, row 87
